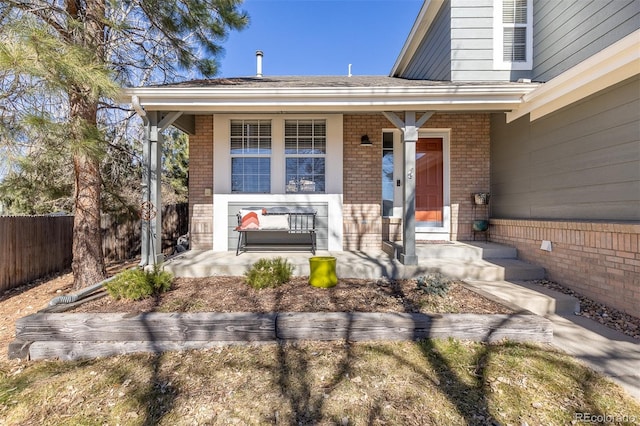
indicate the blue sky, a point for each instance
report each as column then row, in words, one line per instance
column 320, row 37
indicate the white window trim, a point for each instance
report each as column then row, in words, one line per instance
column 222, row 194
column 232, row 156
column 222, row 147
column 298, row 155
column 498, row 28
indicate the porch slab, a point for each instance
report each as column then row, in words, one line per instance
column 367, row 265
column 456, row 260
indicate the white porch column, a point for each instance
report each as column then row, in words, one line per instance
column 410, row 137
column 144, row 235
column 151, row 209
column 409, row 129
column 155, row 188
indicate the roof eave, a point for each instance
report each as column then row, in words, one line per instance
column 426, row 16
column 218, row 99
column 610, row 66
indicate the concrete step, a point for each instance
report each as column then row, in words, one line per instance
column 472, row 259
column 466, row 250
column 520, row 295
column 515, row 269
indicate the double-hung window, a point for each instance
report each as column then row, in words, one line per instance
column 250, row 156
column 305, row 149
column 513, row 34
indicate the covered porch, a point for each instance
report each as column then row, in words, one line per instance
column 352, row 110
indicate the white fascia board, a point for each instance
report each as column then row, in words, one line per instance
column 214, row 99
column 426, row 16
column 610, row 66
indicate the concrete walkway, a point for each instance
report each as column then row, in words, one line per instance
column 601, row 348
column 605, row 350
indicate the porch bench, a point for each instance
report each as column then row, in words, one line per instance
column 292, row 220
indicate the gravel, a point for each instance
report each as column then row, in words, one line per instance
column 608, row 316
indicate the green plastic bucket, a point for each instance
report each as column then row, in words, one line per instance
column 322, row 271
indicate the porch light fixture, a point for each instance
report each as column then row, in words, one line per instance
column 364, row 141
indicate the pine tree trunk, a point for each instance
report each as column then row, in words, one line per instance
column 88, row 261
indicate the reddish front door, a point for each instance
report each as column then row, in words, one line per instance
column 429, row 177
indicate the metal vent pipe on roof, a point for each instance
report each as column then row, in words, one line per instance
column 259, row 55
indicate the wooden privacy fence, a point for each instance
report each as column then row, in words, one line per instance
column 121, row 237
column 34, row 246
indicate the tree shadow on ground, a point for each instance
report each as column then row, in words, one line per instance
column 294, row 377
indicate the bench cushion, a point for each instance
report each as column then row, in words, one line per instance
column 249, row 220
column 276, row 221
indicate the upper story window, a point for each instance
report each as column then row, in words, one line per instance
column 513, row 34
column 305, row 149
column 250, row 156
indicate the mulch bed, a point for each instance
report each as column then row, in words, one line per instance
column 232, row 294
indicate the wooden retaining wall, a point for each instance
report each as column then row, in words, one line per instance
column 77, row 336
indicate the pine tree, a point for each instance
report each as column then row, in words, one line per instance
column 71, row 55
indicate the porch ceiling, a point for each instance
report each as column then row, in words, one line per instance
column 328, row 94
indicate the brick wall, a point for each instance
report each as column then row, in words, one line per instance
column 599, row 260
column 201, row 178
column 362, row 187
column 470, row 172
column 470, row 139
column 362, row 172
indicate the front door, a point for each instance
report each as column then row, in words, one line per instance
column 429, row 179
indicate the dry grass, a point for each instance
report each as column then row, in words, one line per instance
column 435, row 382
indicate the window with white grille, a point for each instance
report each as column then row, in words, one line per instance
column 250, row 156
column 305, row 149
column 513, row 34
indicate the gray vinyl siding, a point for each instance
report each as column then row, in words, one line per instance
column 322, row 226
column 472, row 42
column 432, row 60
column 566, row 33
column 580, row 163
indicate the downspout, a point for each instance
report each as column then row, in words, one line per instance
column 74, row 297
column 135, row 103
column 81, row 294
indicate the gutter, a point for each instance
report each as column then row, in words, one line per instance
column 494, row 97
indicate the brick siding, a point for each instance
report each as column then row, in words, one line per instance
column 362, row 187
column 598, row 260
column 470, row 150
column 200, row 178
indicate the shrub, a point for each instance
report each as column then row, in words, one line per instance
column 136, row 284
column 269, row 273
column 433, row 284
